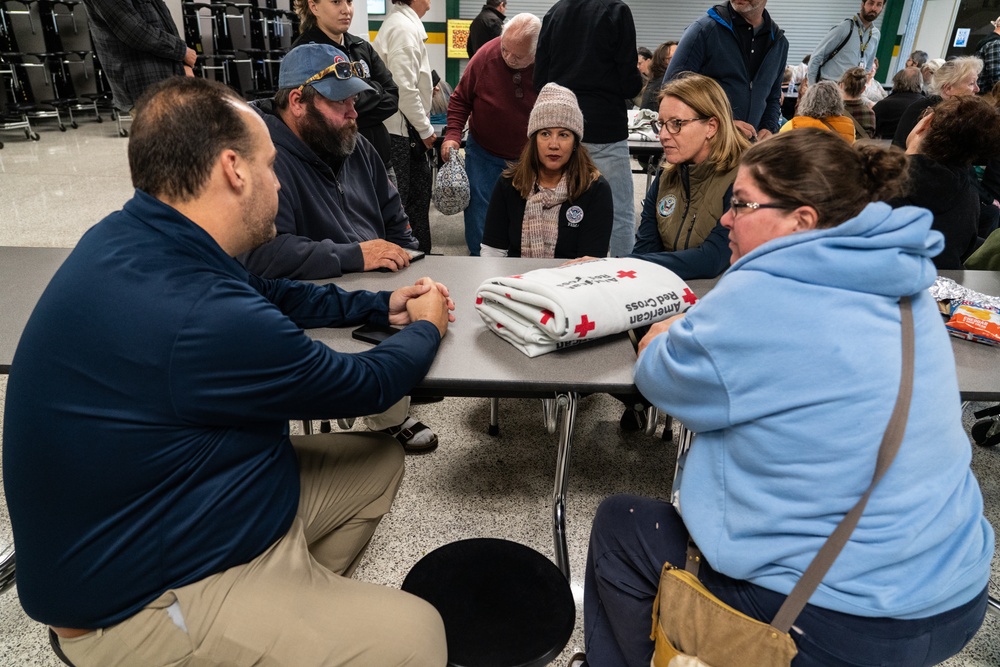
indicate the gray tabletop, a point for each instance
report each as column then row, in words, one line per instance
column 24, row 273
column 978, row 365
column 474, row 361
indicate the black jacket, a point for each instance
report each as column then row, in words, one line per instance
column 485, row 27
column 890, row 110
column 603, row 75
column 947, row 191
column 372, row 107
column 589, row 232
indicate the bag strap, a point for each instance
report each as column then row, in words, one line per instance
column 859, row 130
column 833, row 54
column 820, row 565
column 832, row 128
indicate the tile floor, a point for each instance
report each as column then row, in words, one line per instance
column 52, row 190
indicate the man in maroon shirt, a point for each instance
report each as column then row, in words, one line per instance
column 495, row 94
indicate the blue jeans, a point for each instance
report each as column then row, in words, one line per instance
column 613, row 162
column 483, row 169
column 631, row 539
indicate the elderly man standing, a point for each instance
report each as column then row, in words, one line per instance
column 164, row 516
column 852, row 43
column 337, row 211
column 495, row 95
column 589, row 47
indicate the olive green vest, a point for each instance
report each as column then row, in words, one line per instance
column 686, row 215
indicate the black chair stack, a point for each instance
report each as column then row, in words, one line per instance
column 17, row 100
column 44, row 68
column 58, row 59
column 246, row 42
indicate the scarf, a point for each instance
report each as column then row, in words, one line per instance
column 541, row 220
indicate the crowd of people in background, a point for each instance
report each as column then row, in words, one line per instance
column 768, row 178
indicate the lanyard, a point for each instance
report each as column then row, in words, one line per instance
column 861, row 38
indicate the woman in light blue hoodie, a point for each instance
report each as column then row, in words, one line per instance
column 788, row 371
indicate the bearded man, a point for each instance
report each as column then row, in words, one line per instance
column 337, row 210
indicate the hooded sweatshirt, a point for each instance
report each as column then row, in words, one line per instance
column 325, row 211
column 788, row 371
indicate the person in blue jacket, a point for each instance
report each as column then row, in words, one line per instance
column 163, row 515
column 787, row 371
column 741, row 47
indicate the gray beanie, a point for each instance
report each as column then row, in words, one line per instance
column 556, row 107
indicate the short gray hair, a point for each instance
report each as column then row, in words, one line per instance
column 907, row 80
column 523, row 26
column 953, row 71
column 822, row 100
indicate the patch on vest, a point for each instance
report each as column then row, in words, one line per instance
column 574, row 215
column 667, row 205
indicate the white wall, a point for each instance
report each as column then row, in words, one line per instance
column 936, row 24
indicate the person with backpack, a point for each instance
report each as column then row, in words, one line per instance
column 851, row 43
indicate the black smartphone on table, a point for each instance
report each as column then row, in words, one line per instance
column 414, row 255
column 373, row 333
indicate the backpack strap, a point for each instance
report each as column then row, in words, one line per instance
column 833, row 54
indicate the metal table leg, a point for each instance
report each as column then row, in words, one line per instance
column 567, row 403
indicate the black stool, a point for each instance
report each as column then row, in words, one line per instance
column 503, row 604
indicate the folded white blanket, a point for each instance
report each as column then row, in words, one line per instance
column 548, row 309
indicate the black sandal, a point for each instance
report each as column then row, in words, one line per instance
column 405, row 437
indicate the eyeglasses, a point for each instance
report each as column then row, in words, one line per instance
column 672, row 126
column 342, row 70
column 518, row 92
column 736, row 205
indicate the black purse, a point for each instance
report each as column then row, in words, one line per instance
column 417, row 148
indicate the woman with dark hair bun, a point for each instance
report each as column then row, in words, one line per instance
column 788, row 371
column 852, row 87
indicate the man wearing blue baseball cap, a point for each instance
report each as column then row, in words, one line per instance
column 337, row 210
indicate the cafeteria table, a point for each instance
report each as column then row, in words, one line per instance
column 473, row 361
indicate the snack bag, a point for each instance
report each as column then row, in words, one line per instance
column 974, row 321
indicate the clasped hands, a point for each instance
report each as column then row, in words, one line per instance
column 424, row 300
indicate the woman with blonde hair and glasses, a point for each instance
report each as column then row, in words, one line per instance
column 788, row 371
column 679, row 224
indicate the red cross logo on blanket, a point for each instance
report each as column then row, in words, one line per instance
column 584, row 327
column 546, row 316
column 626, row 274
column 689, row 296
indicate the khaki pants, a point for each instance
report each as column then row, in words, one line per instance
column 294, row 604
column 394, row 416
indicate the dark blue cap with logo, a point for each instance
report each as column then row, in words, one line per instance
column 307, row 60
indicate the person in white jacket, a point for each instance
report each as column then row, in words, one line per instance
column 400, row 44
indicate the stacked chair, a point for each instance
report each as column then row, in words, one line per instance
column 44, row 68
column 245, row 45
